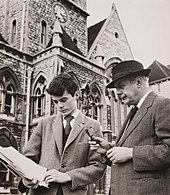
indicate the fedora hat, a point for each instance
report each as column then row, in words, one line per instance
column 126, row 69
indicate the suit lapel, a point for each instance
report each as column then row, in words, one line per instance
column 57, row 128
column 142, row 111
column 122, row 128
column 77, row 127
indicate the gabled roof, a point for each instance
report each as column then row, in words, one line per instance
column 159, row 72
column 2, row 39
column 67, row 42
column 93, row 32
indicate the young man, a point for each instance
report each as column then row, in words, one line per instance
column 62, row 146
column 141, row 155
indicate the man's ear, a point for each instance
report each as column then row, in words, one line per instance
column 139, row 81
column 77, row 95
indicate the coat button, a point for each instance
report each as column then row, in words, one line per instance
column 62, row 166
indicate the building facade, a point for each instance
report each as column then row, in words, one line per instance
column 41, row 39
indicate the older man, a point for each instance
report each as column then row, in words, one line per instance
column 141, row 155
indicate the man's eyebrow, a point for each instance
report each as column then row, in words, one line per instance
column 63, row 98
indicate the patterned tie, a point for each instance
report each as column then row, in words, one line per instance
column 67, row 128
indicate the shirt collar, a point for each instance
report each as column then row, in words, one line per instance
column 75, row 114
column 143, row 99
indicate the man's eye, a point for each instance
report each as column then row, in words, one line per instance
column 55, row 102
column 64, row 100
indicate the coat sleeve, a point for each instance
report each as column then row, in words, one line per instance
column 93, row 171
column 33, row 147
column 156, row 155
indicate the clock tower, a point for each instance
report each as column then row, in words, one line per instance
column 32, row 32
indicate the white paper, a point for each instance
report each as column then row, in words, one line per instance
column 22, row 165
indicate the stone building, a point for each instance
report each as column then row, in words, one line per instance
column 40, row 39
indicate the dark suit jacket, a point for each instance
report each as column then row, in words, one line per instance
column 45, row 147
column 149, row 136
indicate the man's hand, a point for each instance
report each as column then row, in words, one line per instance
column 56, row 176
column 100, row 145
column 119, row 154
column 30, row 183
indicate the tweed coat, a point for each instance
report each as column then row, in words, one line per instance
column 149, row 136
column 45, row 147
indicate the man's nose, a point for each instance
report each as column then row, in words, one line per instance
column 60, row 104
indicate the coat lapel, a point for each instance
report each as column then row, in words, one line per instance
column 57, row 128
column 122, row 128
column 142, row 111
column 77, row 127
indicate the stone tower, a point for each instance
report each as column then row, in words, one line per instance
column 27, row 25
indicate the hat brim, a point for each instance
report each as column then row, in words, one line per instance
column 144, row 72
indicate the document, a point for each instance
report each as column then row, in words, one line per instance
column 21, row 165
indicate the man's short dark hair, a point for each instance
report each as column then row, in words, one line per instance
column 61, row 83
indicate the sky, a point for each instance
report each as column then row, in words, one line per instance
column 146, row 24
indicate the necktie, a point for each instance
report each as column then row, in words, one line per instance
column 128, row 120
column 67, row 128
column 131, row 115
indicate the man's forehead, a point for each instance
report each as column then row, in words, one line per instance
column 54, row 97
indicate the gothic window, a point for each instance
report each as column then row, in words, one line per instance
column 7, row 94
column 6, row 139
column 91, row 101
column 39, row 98
column 43, row 33
column 14, row 31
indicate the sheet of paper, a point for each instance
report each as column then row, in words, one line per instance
column 21, row 165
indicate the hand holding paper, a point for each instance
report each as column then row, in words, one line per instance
column 22, row 166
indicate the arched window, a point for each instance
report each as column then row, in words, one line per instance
column 6, row 139
column 91, row 101
column 13, row 31
column 8, row 87
column 43, row 38
column 39, row 98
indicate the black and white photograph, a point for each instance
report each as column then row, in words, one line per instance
column 84, row 97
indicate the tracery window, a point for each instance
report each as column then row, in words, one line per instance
column 91, row 101
column 39, row 98
column 7, row 94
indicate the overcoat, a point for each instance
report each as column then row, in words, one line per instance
column 83, row 165
column 149, row 136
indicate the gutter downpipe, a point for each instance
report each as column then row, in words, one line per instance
column 29, row 73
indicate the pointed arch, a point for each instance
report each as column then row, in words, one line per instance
column 39, row 95
column 40, row 76
column 7, row 138
column 9, row 75
column 92, row 100
column 9, row 86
